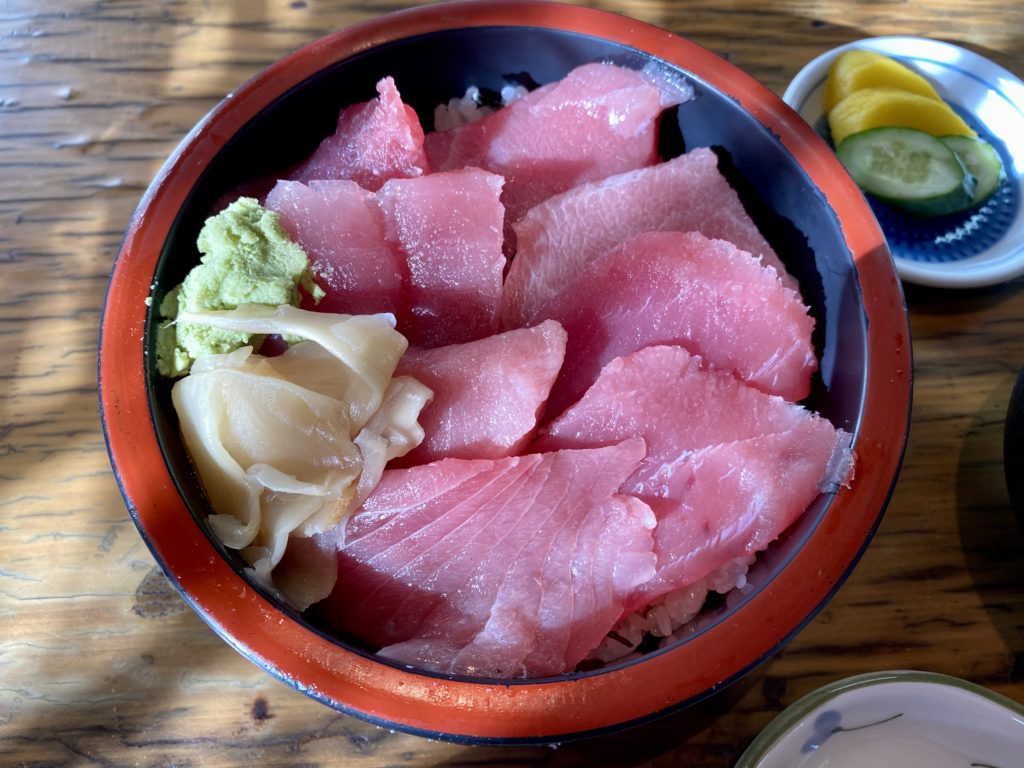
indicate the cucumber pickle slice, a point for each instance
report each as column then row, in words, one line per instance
column 909, row 169
column 981, row 161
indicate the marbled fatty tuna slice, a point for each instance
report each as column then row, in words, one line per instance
column 341, row 228
column 608, row 547
column 410, row 540
column 682, row 289
column 508, row 568
column 728, row 468
column 448, row 228
column 374, row 141
column 731, row 500
column 558, row 238
column 600, row 119
column 666, row 396
column 488, row 394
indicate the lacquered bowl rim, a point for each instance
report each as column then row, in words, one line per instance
column 489, row 711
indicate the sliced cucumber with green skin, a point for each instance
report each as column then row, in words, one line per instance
column 909, row 169
column 981, row 161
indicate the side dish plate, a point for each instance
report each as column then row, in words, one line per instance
column 893, row 718
column 982, row 246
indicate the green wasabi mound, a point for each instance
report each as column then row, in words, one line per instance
column 247, row 258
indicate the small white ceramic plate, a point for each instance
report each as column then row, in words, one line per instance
column 980, row 247
column 905, row 719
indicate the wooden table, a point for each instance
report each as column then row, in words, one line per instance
column 102, row 664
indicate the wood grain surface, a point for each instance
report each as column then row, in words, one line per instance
column 101, row 663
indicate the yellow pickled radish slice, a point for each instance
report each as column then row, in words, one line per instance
column 857, row 69
column 891, row 108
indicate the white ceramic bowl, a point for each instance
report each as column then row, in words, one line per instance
column 905, row 719
column 978, row 248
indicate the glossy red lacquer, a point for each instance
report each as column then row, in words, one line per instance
column 354, row 681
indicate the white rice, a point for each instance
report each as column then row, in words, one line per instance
column 669, row 617
column 469, row 107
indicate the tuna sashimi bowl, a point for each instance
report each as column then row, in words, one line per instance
column 565, row 371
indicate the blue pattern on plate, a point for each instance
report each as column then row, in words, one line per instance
column 825, row 724
column 828, row 723
column 958, row 235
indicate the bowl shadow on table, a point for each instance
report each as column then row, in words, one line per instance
column 991, row 538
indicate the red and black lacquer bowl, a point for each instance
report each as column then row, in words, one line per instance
column 792, row 185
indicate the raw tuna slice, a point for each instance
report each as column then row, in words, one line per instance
column 728, row 468
column 448, row 227
column 559, row 237
column 598, row 120
column 727, row 501
column 665, row 395
column 341, row 229
column 515, row 567
column 375, row 141
column 683, row 289
column 488, row 394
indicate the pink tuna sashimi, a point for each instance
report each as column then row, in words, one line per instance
column 727, row 469
column 683, row 289
column 600, row 119
column 559, row 237
column 341, row 228
column 728, row 501
column 488, row 394
column 507, row 568
column 582, row 566
column 448, row 227
column 374, row 141
column 664, row 395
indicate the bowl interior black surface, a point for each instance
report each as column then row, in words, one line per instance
column 429, row 70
